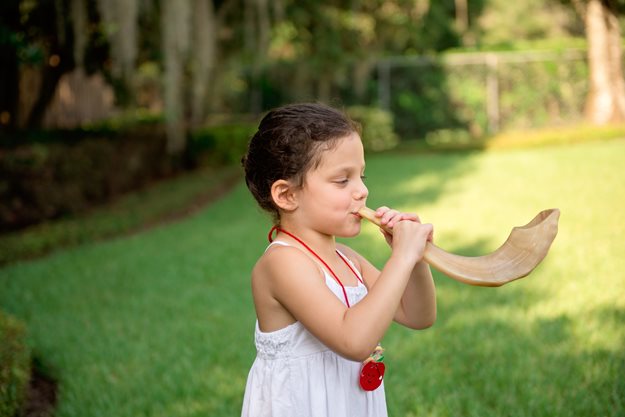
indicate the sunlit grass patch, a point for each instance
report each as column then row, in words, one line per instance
column 564, row 135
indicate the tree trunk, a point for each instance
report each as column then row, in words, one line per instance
column 58, row 60
column 79, row 17
column 462, row 18
column 175, row 21
column 257, row 37
column 120, row 19
column 9, row 70
column 606, row 97
column 204, row 34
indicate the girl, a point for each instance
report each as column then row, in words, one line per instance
column 321, row 307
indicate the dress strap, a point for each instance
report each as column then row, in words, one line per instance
column 351, row 266
column 278, row 242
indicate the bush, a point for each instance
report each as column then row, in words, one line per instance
column 14, row 365
column 42, row 181
column 377, row 127
column 223, row 144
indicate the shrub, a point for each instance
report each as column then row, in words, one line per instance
column 14, row 365
column 377, row 127
column 222, row 144
column 42, row 181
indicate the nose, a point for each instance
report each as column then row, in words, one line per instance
column 361, row 191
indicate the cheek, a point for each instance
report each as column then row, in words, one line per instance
column 330, row 198
column 340, row 199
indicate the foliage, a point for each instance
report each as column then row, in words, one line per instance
column 221, row 144
column 264, row 54
column 125, row 122
column 173, row 305
column 420, row 100
column 440, row 94
column 14, row 365
column 505, row 23
column 47, row 181
column 377, row 127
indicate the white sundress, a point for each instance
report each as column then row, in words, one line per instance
column 295, row 375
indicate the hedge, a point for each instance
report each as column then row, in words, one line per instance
column 43, row 181
column 15, row 365
column 223, row 144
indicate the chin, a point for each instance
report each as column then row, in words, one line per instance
column 352, row 231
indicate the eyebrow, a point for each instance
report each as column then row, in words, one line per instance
column 348, row 168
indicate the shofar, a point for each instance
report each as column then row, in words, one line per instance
column 524, row 249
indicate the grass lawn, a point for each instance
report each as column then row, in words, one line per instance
column 161, row 323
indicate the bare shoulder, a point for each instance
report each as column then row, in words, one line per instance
column 279, row 261
column 281, row 279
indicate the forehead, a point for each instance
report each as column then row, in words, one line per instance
column 346, row 151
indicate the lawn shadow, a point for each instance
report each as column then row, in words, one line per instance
column 499, row 351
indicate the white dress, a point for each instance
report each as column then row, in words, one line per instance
column 295, row 375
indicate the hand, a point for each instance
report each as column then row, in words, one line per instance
column 409, row 235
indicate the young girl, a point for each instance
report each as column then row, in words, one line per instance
column 321, row 307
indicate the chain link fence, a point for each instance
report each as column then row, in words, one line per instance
column 474, row 94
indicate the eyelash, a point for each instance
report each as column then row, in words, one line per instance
column 346, row 180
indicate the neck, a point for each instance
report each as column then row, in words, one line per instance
column 324, row 245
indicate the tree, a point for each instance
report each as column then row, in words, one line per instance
column 9, row 70
column 51, row 36
column 120, row 21
column 320, row 46
column 606, row 97
column 185, row 23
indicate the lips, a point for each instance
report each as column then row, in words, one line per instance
column 356, row 213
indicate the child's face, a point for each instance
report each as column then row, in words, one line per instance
column 334, row 191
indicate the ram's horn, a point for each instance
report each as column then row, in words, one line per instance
column 524, row 249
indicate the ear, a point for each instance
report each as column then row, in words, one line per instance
column 283, row 195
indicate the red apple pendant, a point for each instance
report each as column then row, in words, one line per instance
column 371, row 375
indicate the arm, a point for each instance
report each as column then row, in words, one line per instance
column 292, row 280
column 417, row 309
column 418, row 304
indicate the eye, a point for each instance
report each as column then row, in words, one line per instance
column 363, row 178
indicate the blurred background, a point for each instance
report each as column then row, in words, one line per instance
column 117, row 116
column 153, row 88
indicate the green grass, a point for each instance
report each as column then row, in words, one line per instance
column 161, row 323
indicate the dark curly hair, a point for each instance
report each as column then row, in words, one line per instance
column 288, row 143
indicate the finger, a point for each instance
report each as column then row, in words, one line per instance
column 387, row 236
column 411, row 217
column 381, row 210
column 404, row 216
column 429, row 229
column 391, row 217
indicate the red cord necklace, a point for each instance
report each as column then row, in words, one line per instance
column 373, row 369
column 278, row 229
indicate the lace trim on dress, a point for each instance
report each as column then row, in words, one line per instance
column 274, row 344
